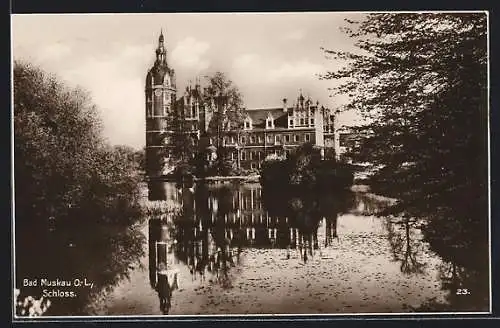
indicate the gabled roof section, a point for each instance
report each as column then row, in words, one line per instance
column 259, row 116
column 247, row 117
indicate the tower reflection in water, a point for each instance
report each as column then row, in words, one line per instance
column 160, row 278
column 217, row 223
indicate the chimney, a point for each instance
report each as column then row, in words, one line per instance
column 285, row 106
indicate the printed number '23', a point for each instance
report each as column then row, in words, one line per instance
column 463, row 292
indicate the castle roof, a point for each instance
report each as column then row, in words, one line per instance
column 260, row 115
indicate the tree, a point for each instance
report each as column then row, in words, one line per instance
column 422, row 81
column 225, row 102
column 181, row 139
column 75, row 195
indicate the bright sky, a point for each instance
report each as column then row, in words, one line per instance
column 268, row 56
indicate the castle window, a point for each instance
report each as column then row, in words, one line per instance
column 277, row 139
column 287, row 138
column 252, row 139
column 193, row 111
column 290, row 122
column 232, row 139
column 243, row 155
column 269, row 138
column 248, row 124
column 312, row 121
column 260, row 139
column 253, row 165
column 301, row 121
column 308, row 137
column 269, row 122
column 243, row 140
column 297, row 138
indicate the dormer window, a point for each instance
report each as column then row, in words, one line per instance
column 269, row 122
column 247, row 123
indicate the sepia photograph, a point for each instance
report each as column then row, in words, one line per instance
column 242, row 164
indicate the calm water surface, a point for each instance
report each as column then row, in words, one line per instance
column 235, row 249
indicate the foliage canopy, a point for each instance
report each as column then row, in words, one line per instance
column 421, row 81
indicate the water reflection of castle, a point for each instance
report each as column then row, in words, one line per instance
column 217, row 223
column 236, row 217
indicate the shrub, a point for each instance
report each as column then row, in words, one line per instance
column 305, row 169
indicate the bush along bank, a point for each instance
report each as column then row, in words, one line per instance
column 305, row 170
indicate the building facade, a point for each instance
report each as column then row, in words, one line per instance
column 275, row 131
column 263, row 132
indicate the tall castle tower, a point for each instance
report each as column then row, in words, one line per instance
column 160, row 101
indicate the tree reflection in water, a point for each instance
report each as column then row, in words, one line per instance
column 462, row 243
column 77, row 247
column 405, row 245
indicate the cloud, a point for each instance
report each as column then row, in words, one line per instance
column 137, row 52
column 189, row 54
column 295, row 35
column 54, row 52
column 245, row 61
column 119, row 96
column 248, row 69
column 293, row 70
column 252, row 66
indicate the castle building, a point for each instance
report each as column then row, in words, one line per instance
column 263, row 132
column 276, row 131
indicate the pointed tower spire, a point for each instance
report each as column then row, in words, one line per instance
column 161, row 53
column 301, row 97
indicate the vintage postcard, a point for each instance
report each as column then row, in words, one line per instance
column 242, row 164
